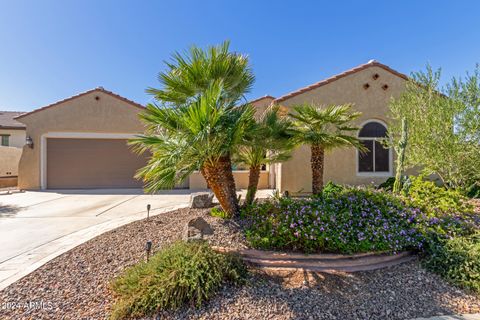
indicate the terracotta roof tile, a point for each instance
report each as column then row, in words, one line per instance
column 371, row 63
column 99, row 89
column 261, row 98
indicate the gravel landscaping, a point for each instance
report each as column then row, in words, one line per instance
column 75, row 285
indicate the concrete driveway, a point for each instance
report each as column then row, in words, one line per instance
column 35, row 227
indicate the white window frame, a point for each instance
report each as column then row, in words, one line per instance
column 388, row 173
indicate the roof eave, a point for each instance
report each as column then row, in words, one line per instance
column 339, row 76
column 100, row 89
column 13, row 127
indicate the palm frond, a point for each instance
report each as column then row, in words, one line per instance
column 325, row 125
column 266, row 141
column 190, row 73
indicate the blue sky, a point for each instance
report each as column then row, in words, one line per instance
column 50, row 50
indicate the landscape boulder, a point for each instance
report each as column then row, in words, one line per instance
column 196, row 229
column 200, row 200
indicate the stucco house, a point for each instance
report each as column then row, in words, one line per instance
column 12, row 139
column 369, row 87
column 12, row 132
column 80, row 142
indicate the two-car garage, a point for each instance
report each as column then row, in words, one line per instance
column 81, row 143
column 91, row 163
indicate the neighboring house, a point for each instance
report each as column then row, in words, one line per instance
column 12, row 132
column 80, row 142
column 12, row 139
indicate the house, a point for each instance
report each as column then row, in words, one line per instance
column 80, row 142
column 12, row 139
column 369, row 87
column 12, row 132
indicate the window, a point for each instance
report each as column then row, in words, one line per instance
column 5, row 140
column 376, row 160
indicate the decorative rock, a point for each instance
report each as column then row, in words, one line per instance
column 196, row 229
column 200, row 200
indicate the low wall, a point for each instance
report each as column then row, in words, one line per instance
column 7, row 182
column 9, row 159
column 196, row 180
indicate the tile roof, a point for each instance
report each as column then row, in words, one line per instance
column 99, row 89
column 7, row 120
column 371, row 63
column 261, row 98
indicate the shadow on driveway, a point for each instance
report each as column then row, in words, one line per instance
column 8, row 211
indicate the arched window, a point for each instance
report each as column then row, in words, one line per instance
column 376, row 160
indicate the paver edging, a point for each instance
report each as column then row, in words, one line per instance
column 320, row 262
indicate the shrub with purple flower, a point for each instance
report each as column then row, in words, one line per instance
column 346, row 220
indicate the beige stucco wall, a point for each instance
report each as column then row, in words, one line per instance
column 9, row 158
column 341, row 164
column 196, row 180
column 261, row 105
column 81, row 114
column 17, row 137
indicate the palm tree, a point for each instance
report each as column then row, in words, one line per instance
column 324, row 128
column 268, row 141
column 197, row 125
column 188, row 75
column 198, row 136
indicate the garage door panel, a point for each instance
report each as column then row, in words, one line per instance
column 92, row 163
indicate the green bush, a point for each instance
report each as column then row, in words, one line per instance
column 331, row 189
column 474, row 190
column 436, row 201
column 456, row 259
column 219, row 213
column 387, row 185
column 345, row 221
column 179, row 274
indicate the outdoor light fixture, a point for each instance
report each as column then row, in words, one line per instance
column 29, row 142
column 148, row 210
column 148, row 248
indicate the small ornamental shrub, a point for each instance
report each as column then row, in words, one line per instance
column 347, row 221
column 473, row 191
column 219, row 213
column 387, row 185
column 331, row 189
column 183, row 273
column 456, row 259
column 436, row 201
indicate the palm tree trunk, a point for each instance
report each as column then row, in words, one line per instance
column 253, row 177
column 219, row 178
column 317, row 163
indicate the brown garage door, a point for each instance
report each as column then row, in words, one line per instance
column 91, row 163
